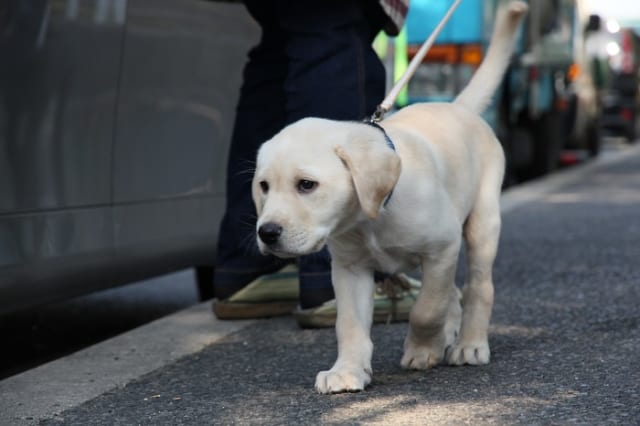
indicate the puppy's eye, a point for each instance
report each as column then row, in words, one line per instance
column 305, row 186
column 264, row 186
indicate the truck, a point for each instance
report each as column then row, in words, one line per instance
column 544, row 102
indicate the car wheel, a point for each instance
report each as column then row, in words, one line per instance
column 204, row 281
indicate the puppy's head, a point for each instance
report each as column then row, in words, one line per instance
column 314, row 178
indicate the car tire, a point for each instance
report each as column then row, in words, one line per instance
column 204, row 281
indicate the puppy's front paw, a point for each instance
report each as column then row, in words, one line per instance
column 472, row 353
column 342, row 379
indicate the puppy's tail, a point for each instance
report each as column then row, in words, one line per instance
column 477, row 94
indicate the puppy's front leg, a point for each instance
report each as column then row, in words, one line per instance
column 351, row 372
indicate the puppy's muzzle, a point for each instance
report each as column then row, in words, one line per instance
column 269, row 233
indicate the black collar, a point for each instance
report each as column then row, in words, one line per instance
column 387, row 139
column 390, row 144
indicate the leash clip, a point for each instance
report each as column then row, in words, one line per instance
column 378, row 114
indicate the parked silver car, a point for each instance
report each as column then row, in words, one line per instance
column 115, row 119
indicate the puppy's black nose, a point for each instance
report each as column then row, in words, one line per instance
column 269, row 233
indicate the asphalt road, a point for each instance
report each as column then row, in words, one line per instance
column 565, row 340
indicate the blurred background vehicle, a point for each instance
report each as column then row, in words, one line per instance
column 115, row 118
column 583, row 87
column 621, row 96
column 547, row 102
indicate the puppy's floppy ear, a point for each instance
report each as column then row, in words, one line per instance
column 375, row 169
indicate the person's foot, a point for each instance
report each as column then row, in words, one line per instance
column 267, row 296
column 277, row 294
column 392, row 303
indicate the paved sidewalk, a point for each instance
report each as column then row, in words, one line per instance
column 565, row 339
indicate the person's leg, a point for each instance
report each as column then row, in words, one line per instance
column 333, row 73
column 259, row 115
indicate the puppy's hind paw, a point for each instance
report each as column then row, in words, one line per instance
column 474, row 354
column 339, row 380
column 419, row 356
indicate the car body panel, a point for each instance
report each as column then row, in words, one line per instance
column 115, row 123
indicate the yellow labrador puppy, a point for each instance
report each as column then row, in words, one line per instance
column 390, row 198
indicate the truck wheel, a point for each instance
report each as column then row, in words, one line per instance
column 520, row 152
column 632, row 131
column 593, row 139
column 547, row 144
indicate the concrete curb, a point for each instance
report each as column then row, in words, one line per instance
column 48, row 390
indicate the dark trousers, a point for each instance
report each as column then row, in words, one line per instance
column 314, row 59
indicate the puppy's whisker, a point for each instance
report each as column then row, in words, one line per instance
column 248, row 241
column 249, row 246
column 247, row 168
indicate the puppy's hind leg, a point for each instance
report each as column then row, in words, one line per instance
column 481, row 231
column 435, row 317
